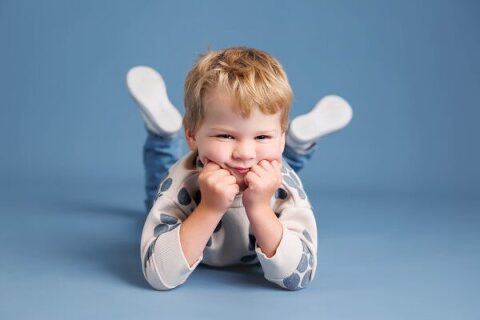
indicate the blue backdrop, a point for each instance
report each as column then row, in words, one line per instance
column 71, row 137
column 410, row 71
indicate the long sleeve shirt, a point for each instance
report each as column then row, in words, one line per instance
column 164, row 265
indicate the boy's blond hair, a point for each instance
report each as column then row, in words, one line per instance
column 253, row 77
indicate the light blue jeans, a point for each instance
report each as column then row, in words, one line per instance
column 160, row 153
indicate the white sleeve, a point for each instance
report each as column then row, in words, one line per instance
column 163, row 261
column 294, row 263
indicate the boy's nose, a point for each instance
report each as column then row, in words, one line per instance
column 244, row 151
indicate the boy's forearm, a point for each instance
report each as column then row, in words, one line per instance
column 266, row 228
column 195, row 232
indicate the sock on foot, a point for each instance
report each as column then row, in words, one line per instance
column 330, row 114
column 148, row 89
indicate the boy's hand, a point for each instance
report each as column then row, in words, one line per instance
column 262, row 181
column 218, row 187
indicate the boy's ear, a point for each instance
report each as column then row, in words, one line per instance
column 192, row 143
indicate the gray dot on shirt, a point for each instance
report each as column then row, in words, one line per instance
column 307, row 235
column 289, row 181
column 165, row 218
column 305, row 247
column 293, row 182
column 287, row 166
column 150, row 250
column 281, row 193
column 149, row 253
column 166, row 184
column 291, row 282
column 159, row 229
column 301, row 193
column 295, row 178
column 183, row 197
column 310, row 262
column 303, row 264
column 306, row 278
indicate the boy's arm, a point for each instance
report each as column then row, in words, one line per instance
column 286, row 246
column 173, row 243
column 293, row 264
column 170, row 254
column 196, row 230
column 218, row 189
column 164, row 263
column 266, row 227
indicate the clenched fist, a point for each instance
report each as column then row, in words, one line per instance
column 262, row 181
column 218, row 187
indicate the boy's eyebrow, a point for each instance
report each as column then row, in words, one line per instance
column 267, row 132
column 258, row 132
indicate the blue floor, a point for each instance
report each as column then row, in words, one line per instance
column 69, row 250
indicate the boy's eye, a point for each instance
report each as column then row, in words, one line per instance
column 224, row 136
column 263, row 137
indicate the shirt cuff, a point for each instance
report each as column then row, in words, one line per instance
column 286, row 258
column 171, row 264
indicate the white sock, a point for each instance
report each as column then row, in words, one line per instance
column 148, row 89
column 330, row 114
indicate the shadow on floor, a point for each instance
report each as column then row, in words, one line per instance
column 247, row 276
column 107, row 236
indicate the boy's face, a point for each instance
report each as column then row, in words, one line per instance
column 235, row 143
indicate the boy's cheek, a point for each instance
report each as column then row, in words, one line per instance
column 274, row 155
column 212, row 154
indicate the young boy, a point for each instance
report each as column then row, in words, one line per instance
column 231, row 199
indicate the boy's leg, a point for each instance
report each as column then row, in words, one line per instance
column 148, row 89
column 295, row 159
column 159, row 154
column 163, row 146
column 330, row 114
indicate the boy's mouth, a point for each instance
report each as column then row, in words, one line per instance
column 240, row 170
